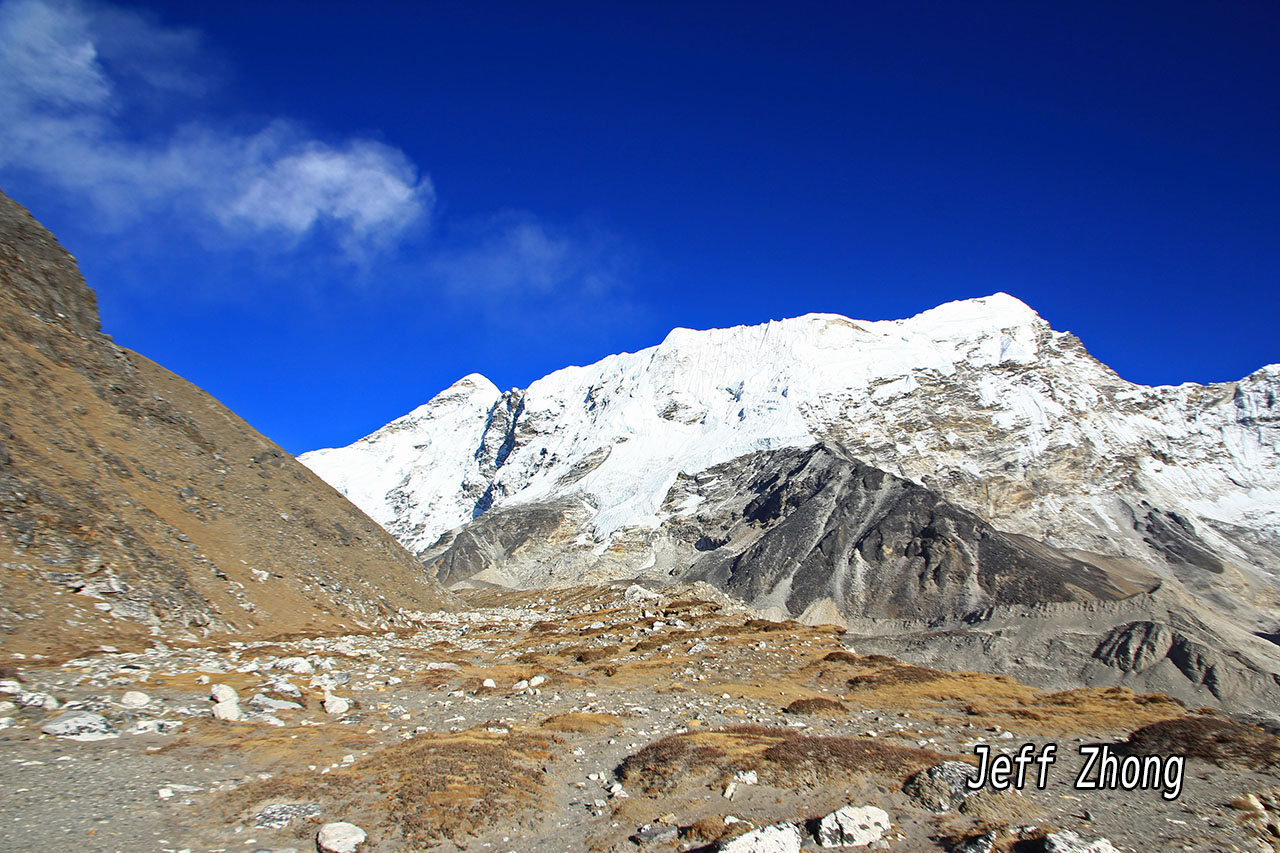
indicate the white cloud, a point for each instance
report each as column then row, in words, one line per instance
column 71, row 72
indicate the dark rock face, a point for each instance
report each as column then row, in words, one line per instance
column 493, row 539
column 132, row 502
column 1175, row 539
column 1135, row 647
column 816, row 524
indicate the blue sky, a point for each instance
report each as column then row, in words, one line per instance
column 325, row 217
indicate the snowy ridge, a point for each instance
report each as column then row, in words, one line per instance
column 979, row 399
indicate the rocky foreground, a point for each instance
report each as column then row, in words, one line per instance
column 612, row 719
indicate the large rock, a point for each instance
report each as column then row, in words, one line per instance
column 79, row 725
column 944, row 786
column 340, row 837
column 223, row 693
column 852, row 826
column 336, row 705
column 228, row 711
column 266, row 703
column 296, row 665
column 779, row 838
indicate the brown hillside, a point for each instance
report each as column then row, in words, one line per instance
column 133, row 504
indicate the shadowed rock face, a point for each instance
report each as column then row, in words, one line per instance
column 815, row 524
column 788, row 529
column 132, row 503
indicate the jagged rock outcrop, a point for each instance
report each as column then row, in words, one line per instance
column 1162, row 640
column 133, row 504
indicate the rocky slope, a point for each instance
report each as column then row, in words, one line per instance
column 133, row 504
column 807, row 532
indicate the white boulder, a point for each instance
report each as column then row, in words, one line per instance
column 340, row 837
column 335, row 705
column 779, row 838
column 135, row 699
column 223, row 693
column 853, row 826
column 79, row 725
column 296, row 665
column 228, row 711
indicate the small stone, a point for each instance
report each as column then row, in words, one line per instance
column 655, row 833
column 779, row 838
column 489, row 683
column 266, row 703
column 223, row 693
column 340, row 837
column 156, row 727
column 36, row 699
column 520, row 685
column 135, row 699
column 7, row 707
column 296, row 665
column 336, row 705
column 284, row 688
column 852, row 826
column 537, row 681
column 202, row 679
column 79, row 725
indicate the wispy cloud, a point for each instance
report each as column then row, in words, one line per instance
column 72, row 75
column 516, row 256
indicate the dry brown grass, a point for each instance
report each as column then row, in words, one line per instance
column 267, row 748
column 596, row 654
column 581, row 722
column 766, row 626
column 1087, row 709
column 842, row 657
column 780, row 756
column 1215, row 739
column 450, row 786
column 430, row 788
column 818, row 706
column 895, row 675
column 653, row 643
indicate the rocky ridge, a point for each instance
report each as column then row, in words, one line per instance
column 978, row 400
column 133, row 504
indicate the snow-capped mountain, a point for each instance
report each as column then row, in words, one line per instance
column 978, row 399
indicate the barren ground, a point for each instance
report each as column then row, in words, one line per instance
column 650, row 707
